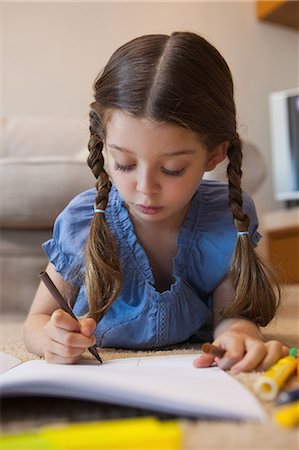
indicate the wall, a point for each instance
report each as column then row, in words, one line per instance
column 51, row 52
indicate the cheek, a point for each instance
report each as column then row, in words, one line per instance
column 122, row 181
column 183, row 191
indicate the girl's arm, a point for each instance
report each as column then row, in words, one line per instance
column 241, row 338
column 51, row 332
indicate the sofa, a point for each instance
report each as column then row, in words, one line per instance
column 42, row 166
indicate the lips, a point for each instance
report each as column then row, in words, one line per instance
column 149, row 209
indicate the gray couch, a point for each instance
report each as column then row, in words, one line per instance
column 42, row 166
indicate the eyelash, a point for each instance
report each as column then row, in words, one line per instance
column 122, row 168
column 172, row 173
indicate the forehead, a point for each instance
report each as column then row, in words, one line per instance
column 125, row 129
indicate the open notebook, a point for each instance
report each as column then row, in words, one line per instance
column 161, row 383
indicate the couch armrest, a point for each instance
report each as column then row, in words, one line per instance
column 35, row 190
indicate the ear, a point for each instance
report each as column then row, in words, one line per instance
column 216, row 156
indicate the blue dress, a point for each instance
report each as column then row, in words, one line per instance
column 142, row 317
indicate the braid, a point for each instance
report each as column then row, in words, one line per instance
column 95, row 144
column 95, row 161
column 257, row 291
column 234, row 173
column 102, row 278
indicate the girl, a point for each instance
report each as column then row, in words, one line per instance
column 154, row 255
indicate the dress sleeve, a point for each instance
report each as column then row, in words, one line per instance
column 66, row 248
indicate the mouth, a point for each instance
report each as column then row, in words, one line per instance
column 148, row 209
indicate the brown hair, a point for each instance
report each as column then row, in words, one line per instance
column 180, row 79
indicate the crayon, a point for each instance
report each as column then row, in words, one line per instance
column 269, row 384
column 146, row 433
column 288, row 396
column 63, row 305
column 288, row 416
column 212, row 349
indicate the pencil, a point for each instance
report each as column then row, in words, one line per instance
column 64, row 305
column 212, row 349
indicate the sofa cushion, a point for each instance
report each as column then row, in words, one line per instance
column 35, row 189
column 37, row 136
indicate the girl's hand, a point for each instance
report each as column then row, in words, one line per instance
column 244, row 352
column 65, row 339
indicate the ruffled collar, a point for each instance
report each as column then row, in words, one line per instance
column 121, row 225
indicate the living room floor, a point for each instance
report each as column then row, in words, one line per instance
column 286, row 321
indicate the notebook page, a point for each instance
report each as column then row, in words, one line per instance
column 165, row 383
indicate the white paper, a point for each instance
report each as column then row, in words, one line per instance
column 162, row 383
column 7, row 362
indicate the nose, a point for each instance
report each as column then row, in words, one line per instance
column 147, row 182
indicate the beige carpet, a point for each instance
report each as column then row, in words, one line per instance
column 197, row 434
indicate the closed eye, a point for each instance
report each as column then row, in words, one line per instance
column 173, row 173
column 123, row 168
column 130, row 167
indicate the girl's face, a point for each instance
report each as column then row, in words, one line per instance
column 155, row 166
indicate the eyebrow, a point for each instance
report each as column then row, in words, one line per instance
column 172, row 153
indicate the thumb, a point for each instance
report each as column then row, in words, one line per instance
column 87, row 326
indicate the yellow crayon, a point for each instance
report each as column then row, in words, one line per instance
column 288, row 416
column 269, row 384
column 138, row 433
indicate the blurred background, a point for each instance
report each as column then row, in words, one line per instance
column 50, row 55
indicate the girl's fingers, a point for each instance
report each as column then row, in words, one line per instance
column 87, row 326
column 275, row 351
column 53, row 358
column 244, row 355
column 63, row 351
column 256, row 351
column 62, row 319
column 65, row 339
column 204, row 360
column 69, row 339
column 260, row 356
column 77, row 340
column 56, row 351
column 234, row 354
column 235, row 349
